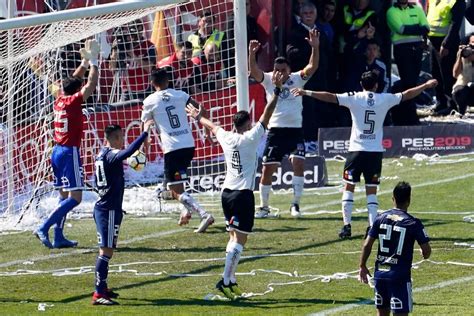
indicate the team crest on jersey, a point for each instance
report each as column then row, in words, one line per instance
column 285, row 93
column 348, row 175
column 165, row 97
column 371, row 101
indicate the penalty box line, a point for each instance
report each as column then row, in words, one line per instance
column 439, row 285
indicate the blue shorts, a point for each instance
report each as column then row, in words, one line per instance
column 394, row 295
column 67, row 168
column 108, row 226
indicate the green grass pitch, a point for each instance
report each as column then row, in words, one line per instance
column 291, row 266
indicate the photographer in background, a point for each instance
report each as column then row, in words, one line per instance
column 463, row 71
column 134, row 57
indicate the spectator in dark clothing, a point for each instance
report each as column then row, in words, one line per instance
column 213, row 73
column 252, row 26
column 324, row 20
column 315, row 113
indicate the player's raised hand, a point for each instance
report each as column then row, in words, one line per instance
column 313, row 39
column 431, row 83
column 148, row 125
column 298, row 92
column 91, row 50
column 364, row 275
column 192, row 111
column 254, row 46
column 277, row 79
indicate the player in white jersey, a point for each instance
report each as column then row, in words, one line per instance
column 368, row 110
column 285, row 135
column 238, row 202
column 167, row 107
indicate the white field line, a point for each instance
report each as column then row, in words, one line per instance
column 88, row 250
column 361, row 196
column 416, row 290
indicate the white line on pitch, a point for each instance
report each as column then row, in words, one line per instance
column 416, row 290
column 88, row 250
column 361, row 196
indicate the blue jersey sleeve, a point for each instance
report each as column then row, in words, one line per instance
column 421, row 235
column 127, row 152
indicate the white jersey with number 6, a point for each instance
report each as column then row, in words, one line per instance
column 240, row 151
column 167, row 109
column 368, row 111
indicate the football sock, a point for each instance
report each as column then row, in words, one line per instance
column 372, row 207
column 60, row 212
column 191, row 204
column 347, row 203
column 101, row 273
column 264, row 194
column 59, row 226
column 298, row 185
column 234, row 250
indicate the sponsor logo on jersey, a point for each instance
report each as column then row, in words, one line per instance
column 285, row 93
column 395, row 217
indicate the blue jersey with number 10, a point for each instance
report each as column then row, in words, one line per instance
column 396, row 231
column 109, row 174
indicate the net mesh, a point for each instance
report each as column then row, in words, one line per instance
column 34, row 60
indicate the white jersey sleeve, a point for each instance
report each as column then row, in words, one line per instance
column 240, row 151
column 288, row 111
column 167, row 109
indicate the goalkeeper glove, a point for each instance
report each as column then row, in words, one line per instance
column 91, row 51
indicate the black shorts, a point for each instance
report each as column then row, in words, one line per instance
column 239, row 209
column 363, row 162
column 176, row 165
column 282, row 142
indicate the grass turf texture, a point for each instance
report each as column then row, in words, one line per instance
column 436, row 187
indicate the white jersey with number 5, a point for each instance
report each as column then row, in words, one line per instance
column 167, row 109
column 289, row 108
column 240, row 151
column 368, row 111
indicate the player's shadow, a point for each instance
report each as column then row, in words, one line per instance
column 172, row 250
column 282, row 229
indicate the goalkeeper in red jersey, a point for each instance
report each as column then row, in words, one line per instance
column 68, row 133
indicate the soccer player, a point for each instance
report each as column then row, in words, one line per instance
column 368, row 110
column 167, row 107
column 238, row 202
column 108, row 211
column 285, row 135
column 65, row 159
column 396, row 231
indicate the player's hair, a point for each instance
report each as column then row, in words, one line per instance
column 368, row 80
column 373, row 41
column 206, row 14
column 240, row 118
column 281, row 60
column 159, row 77
column 72, row 85
column 185, row 44
column 110, row 131
column 402, row 193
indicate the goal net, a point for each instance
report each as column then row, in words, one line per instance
column 193, row 40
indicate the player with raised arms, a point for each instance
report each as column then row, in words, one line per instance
column 285, row 135
column 108, row 212
column 68, row 133
column 238, row 202
column 167, row 107
column 397, row 232
column 368, row 110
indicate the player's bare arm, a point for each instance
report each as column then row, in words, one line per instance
column 425, row 250
column 416, row 91
column 320, row 95
column 202, row 113
column 366, row 250
column 196, row 114
column 313, row 64
column 147, row 126
column 255, row 71
column 277, row 80
column 90, row 52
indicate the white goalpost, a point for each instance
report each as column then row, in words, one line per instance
column 38, row 51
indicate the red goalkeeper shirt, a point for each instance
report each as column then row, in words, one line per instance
column 68, row 120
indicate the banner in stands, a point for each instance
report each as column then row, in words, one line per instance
column 399, row 141
column 210, row 176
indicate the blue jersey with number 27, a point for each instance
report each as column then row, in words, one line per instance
column 396, row 231
column 109, row 174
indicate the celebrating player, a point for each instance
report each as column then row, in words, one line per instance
column 167, row 107
column 65, row 159
column 238, row 202
column 368, row 110
column 285, row 135
column 108, row 211
column 396, row 231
